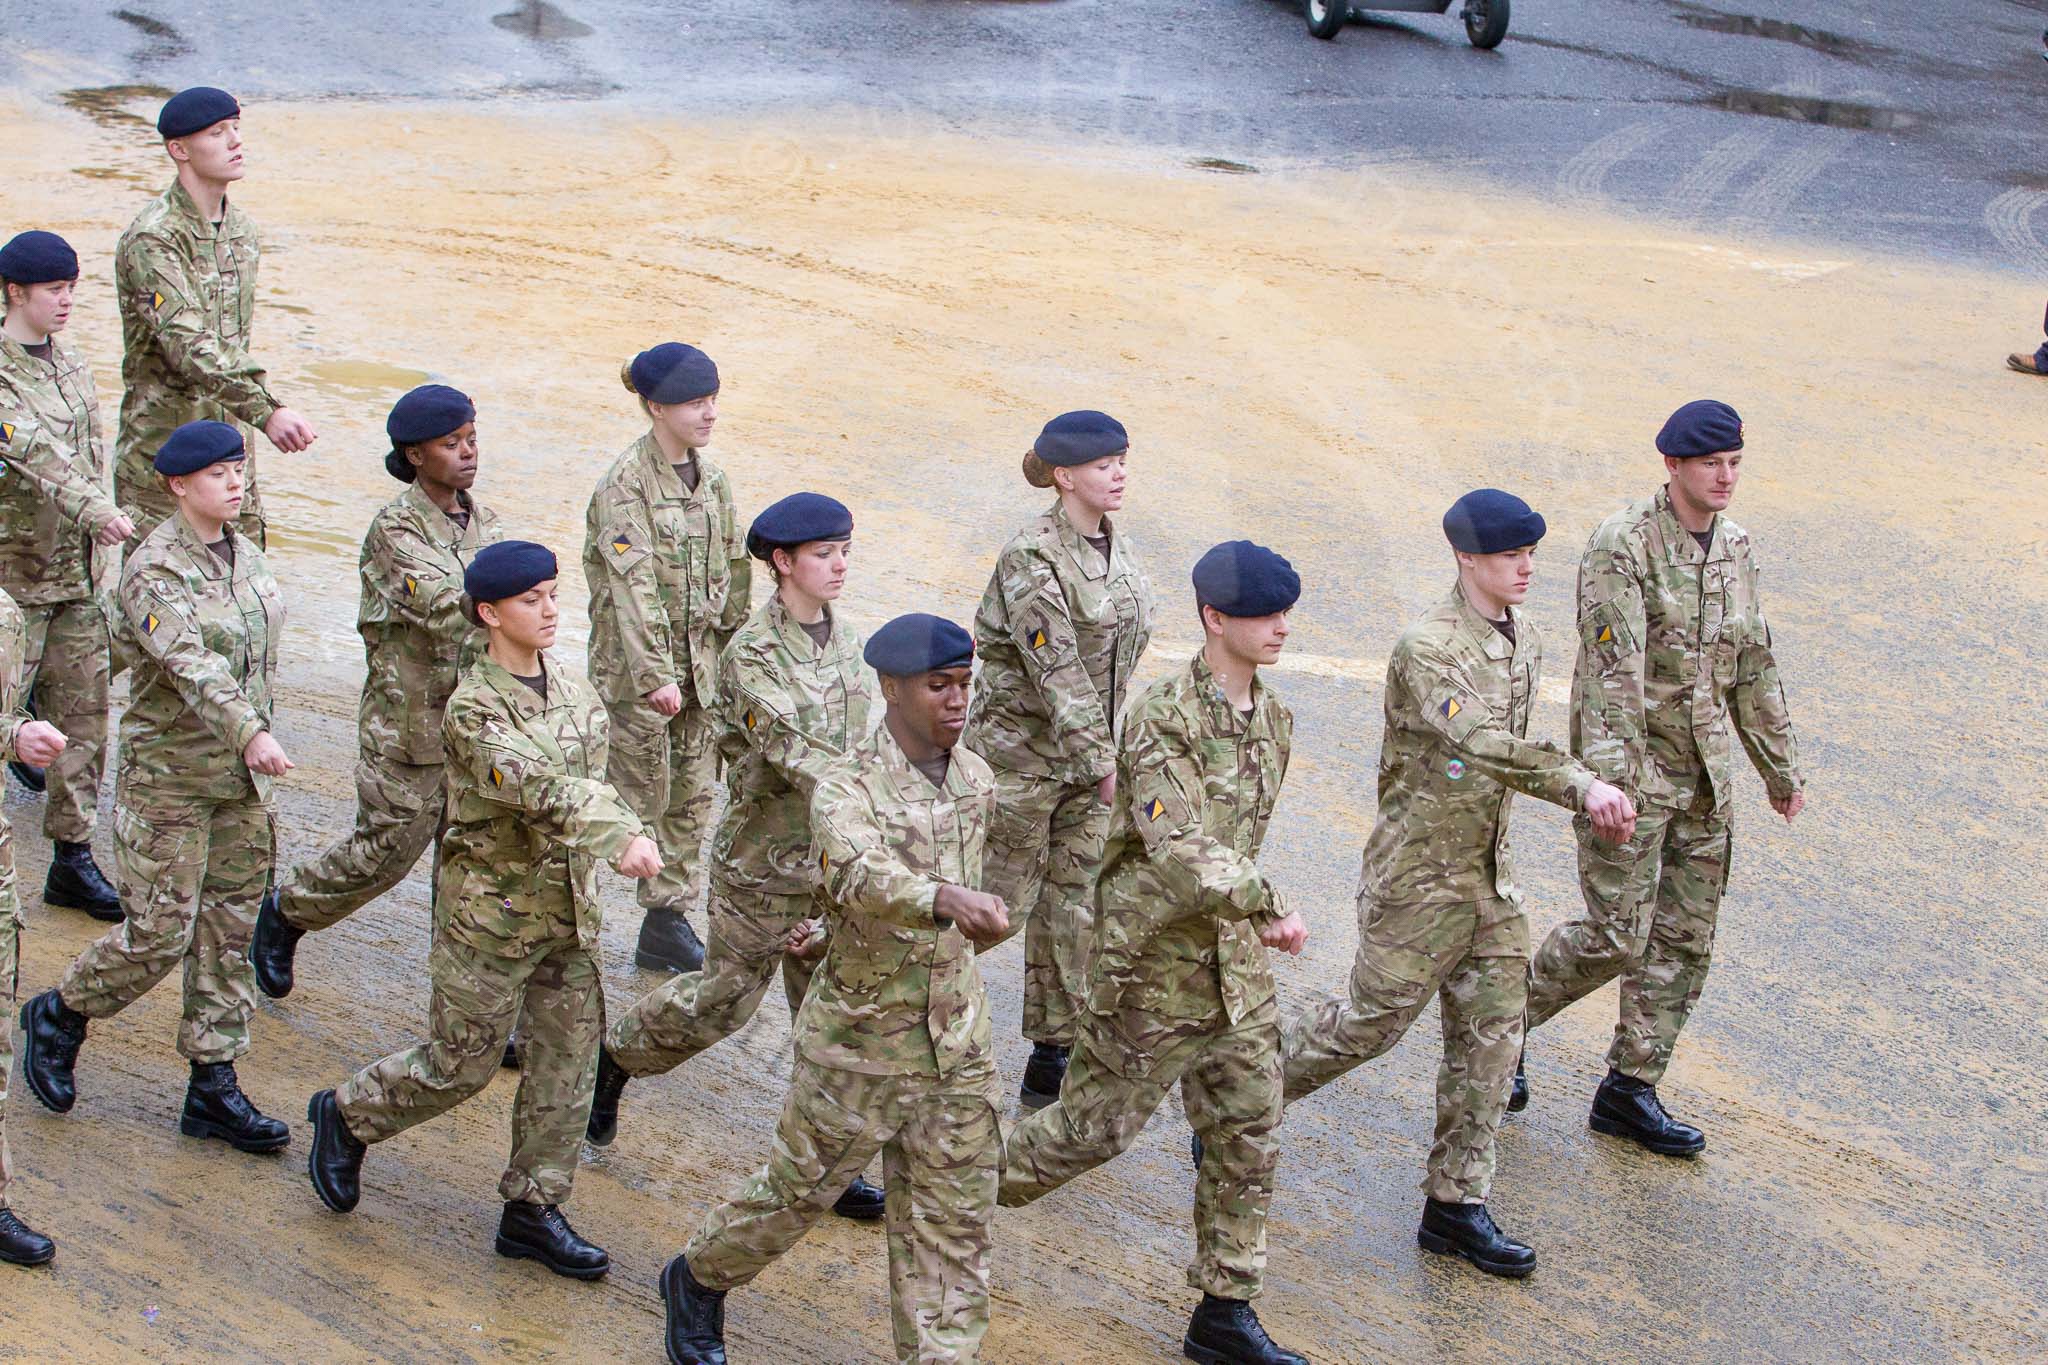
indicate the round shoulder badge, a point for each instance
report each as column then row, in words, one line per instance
column 1454, row 769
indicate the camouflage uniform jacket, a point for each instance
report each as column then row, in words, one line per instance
column 669, row 576
column 187, row 292
column 1453, row 756
column 415, row 637
column 786, row 709
column 898, row 993
column 1181, row 899
column 530, row 815
column 56, row 487
column 206, row 635
column 1673, row 646
column 1059, row 634
column 13, row 659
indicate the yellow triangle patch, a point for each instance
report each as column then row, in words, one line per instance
column 156, row 300
column 1038, row 639
column 412, row 586
column 620, row 545
column 1451, row 708
column 1154, row 808
column 150, row 623
column 497, row 778
column 749, row 718
column 1606, row 634
column 824, row 861
column 6, row 433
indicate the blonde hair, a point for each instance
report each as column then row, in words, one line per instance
column 1037, row 472
column 626, row 378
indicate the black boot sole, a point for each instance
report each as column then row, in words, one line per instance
column 519, row 1251
column 1615, row 1128
column 207, row 1128
column 1203, row 1354
column 25, row 1262
column 1444, row 1246
column 654, row 962
column 38, row 784
column 1035, row 1100
column 29, row 1067
column 327, row 1196
column 603, row 1138
column 103, row 913
column 271, row 991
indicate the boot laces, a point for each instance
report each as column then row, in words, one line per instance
column 226, row 1091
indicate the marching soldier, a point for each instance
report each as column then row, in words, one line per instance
column 38, row 742
column 1181, row 987
column 1439, row 914
column 794, row 695
column 185, row 272
column 415, row 641
column 529, row 818
column 1066, row 616
column 669, row 578
column 893, row 1040
column 60, row 534
column 193, row 834
column 1675, row 665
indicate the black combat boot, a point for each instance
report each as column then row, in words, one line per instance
column 1195, row 1151
column 510, row 1061
column 21, row 1244
column 336, row 1161
column 215, row 1107
column 1043, row 1075
column 538, row 1232
column 860, row 1201
column 696, row 1317
column 28, row 775
column 275, row 945
column 1626, row 1107
column 668, row 943
column 1227, row 1332
column 76, row 883
column 51, row 1034
column 1518, row 1094
column 1468, row 1230
column 604, row 1100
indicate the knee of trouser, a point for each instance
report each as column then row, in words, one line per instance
column 463, row 1068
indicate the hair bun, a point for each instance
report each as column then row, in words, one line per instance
column 626, row 376
column 1037, row 472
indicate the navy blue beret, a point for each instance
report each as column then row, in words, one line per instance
column 506, row 568
column 918, row 643
column 38, row 258
column 196, row 445
column 195, row 110
column 428, row 413
column 1702, row 427
column 1487, row 521
column 673, row 373
column 1077, row 437
column 1239, row 578
column 797, row 519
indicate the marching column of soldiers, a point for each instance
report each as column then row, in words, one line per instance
column 897, row 807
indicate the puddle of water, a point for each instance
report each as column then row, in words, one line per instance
column 168, row 42
column 1810, row 109
column 357, row 377
column 1777, row 30
column 113, row 173
column 1221, row 166
column 541, row 20
column 103, row 103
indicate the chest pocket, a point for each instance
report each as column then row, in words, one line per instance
column 1226, row 802
column 1522, row 686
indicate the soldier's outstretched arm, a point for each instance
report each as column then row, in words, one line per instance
column 13, row 663
column 1442, row 695
column 857, row 861
column 1607, row 683
column 1763, row 719
column 759, row 710
column 28, row 451
column 1163, row 777
column 1043, row 631
column 160, row 621
column 625, row 547
column 411, row 578
column 169, row 299
column 739, row 596
column 503, row 766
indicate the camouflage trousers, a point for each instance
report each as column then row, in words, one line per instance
column 1044, row 849
column 940, row 1145
column 69, row 668
column 10, row 983
column 1472, row 958
column 398, row 814
column 688, row 1013
column 1651, row 907
column 191, row 873
column 664, row 766
column 1230, row 1089
column 555, row 997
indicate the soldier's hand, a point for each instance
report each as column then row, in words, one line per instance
column 1612, row 813
column 37, row 743
column 1105, row 790
column 288, row 431
column 641, row 859
column 980, row 916
column 265, row 755
column 667, row 700
column 806, row 941
column 1287, row 934
column 115, row 529
column 1789, row 806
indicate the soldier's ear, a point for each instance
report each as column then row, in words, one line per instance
column 175, row 147
column 891, row 688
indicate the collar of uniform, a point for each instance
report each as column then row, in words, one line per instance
column 667, row 484
column 201, row 554
column 439, row 526
column 1085, row 560
column 181, row 203
column 793, row 636
column 1484, row 633
column 1225, row 718
column 906, row 777
column 517, row 694
column 1679, row 544
column 15, row 356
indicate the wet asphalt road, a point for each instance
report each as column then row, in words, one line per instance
column 1904, row 126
